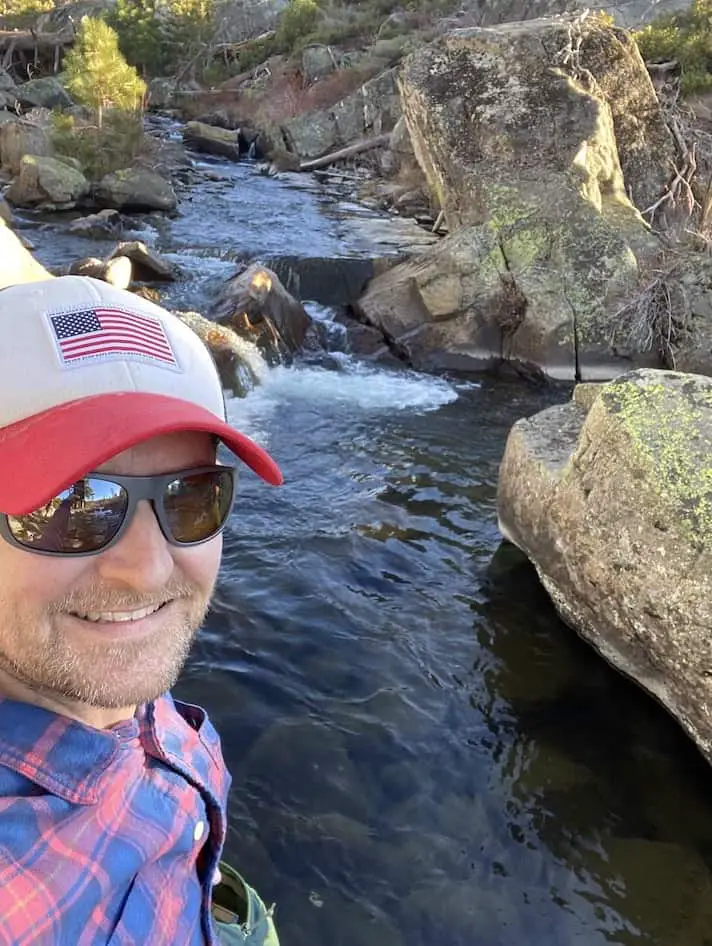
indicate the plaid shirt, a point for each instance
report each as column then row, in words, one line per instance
column 109, row 836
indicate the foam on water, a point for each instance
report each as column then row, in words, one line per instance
column 354, row 385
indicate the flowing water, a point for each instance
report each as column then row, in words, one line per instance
column 422, row 753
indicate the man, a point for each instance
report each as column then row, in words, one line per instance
column 112, row 796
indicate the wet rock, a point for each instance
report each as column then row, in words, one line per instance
column 148, row 265
column 211, row 140
column 115, row 271
column 611, row 502
column 330, row 281
column 316, row 773
column 136, row 189
column 238, row 362
column 102, row 225
column 283, row 161
column 45, row 180
column 256, row 305
column 365, row 342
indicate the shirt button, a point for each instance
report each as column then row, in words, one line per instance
column 198, row 830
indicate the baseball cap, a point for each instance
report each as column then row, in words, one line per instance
column 87, row 371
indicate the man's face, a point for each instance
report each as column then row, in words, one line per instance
column 48, row 643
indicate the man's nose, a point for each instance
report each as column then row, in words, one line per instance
column 142, row 559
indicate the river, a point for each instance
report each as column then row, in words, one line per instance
column 423, row 754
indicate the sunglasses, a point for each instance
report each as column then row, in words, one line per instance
column 88, row 517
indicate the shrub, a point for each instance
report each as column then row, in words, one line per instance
column 160, row 39
column 97, row 75
column 99, row 150
column 297, row 20
column 686, row 37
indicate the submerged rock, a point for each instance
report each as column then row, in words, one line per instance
column 102, row 225
column 610, row 496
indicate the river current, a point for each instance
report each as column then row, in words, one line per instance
column 422, row 753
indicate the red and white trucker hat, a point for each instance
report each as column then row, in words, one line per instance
column 86, row 371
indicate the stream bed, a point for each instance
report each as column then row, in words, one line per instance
column 422, row 753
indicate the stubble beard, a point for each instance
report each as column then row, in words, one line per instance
column 108, row 675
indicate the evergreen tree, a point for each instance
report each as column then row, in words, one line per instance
column 139, row 30
column 97, row 75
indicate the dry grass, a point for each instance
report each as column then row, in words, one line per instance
column 658, row 318
column 279, row 93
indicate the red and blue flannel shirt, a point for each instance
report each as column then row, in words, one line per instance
column 109, row 836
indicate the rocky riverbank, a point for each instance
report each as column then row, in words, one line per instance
column 539, row 155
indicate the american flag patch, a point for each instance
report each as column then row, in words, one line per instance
column 104, row 332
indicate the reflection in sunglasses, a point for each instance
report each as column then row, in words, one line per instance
column 87, row 516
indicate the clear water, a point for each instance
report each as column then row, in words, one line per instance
column 422, row 753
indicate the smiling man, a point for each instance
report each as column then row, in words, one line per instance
column 112, row 795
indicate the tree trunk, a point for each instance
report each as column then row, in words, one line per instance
column 342, row 153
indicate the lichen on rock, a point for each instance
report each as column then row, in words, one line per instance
column 610, row 496
column 523, row 143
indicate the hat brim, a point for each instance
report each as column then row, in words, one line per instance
column 43, row 454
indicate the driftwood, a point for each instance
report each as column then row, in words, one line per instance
column 364, row 145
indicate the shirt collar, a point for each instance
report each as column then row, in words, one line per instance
column 62, row 755
column 69, row 758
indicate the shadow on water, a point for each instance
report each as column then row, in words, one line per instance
column 423, row 753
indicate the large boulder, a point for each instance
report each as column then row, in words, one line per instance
column 18, row 138
column 373, row 109
column 516, row 130
column 212, row 140
column 136, row 189
column 160, row 93
column 628, row 13
column 45, row 92
column 44, row 180
column 609, row 496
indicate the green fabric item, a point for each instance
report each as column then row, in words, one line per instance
column 240, row 916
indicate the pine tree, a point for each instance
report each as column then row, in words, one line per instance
column 97, row 75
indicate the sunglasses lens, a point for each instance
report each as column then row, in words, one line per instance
column 197, row 506
column 83, row 518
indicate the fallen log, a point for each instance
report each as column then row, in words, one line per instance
column 29, row 40
column 365, row 145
